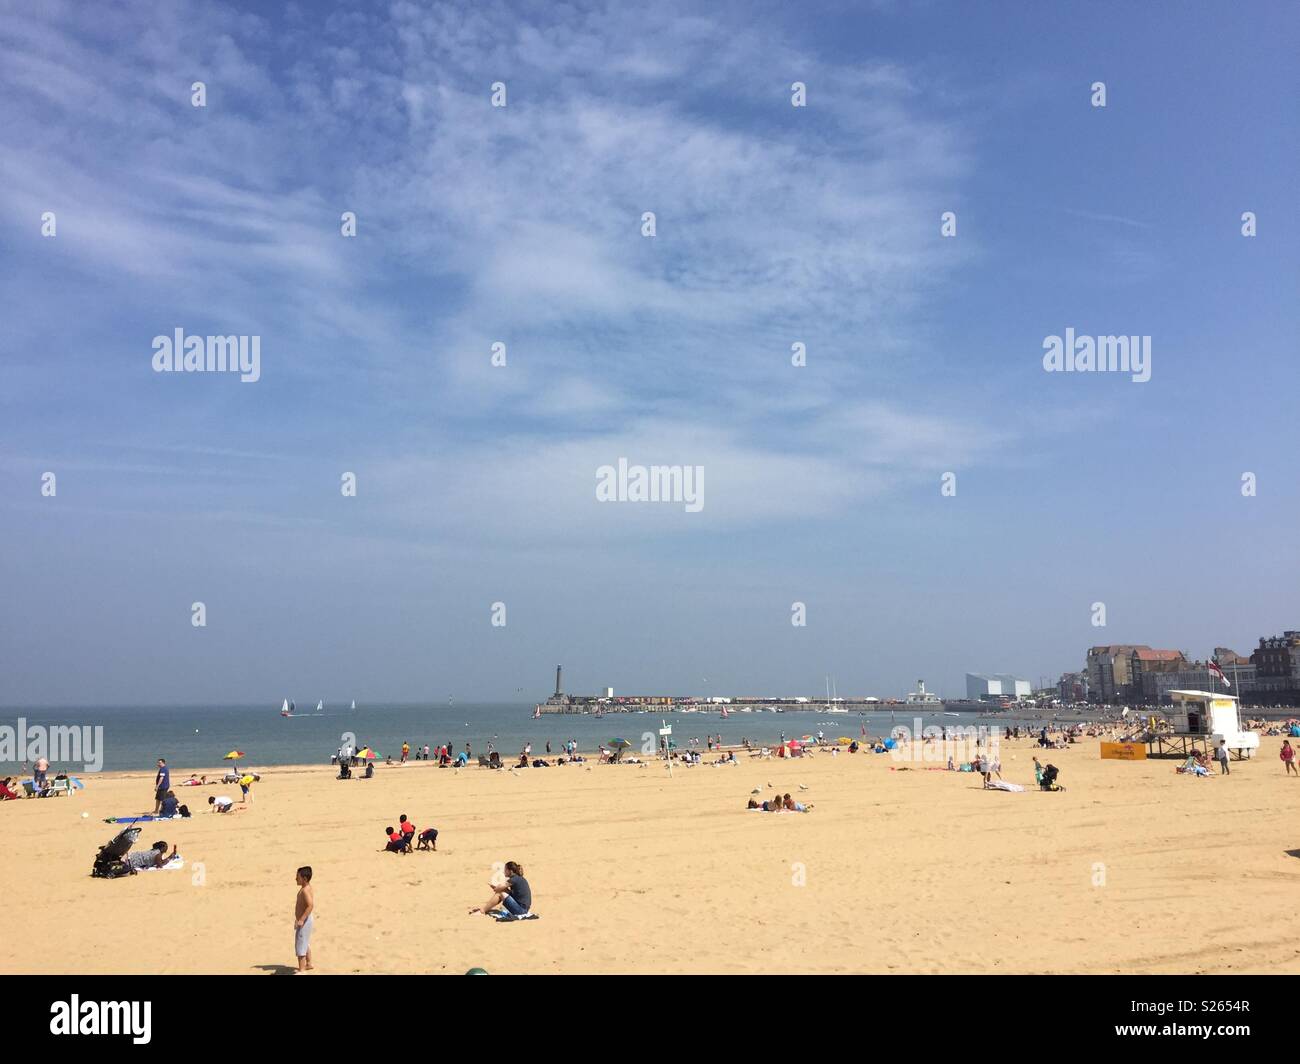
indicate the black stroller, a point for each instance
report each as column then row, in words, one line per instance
column 1049, row 779
column 110, row 862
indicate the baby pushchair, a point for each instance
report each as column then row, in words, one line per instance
column 110, row 862
column 1049, row 779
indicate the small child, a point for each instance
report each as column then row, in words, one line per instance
column 303, row 919
column 396, row 841
column 407, row 828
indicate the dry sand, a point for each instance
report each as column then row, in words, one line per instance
column 917, row 871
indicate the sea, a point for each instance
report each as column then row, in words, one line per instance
column 198, row 737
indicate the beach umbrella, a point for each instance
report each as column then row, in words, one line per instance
column 619, row 742
column 233, row 754
column 367, row 753
column 795, row 744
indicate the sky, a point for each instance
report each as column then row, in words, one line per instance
column 523, row 225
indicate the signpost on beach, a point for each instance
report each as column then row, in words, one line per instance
column 667, row 730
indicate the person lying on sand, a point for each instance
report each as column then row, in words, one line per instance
column 791, row 806
column 7, row 794
column 152, row 858
column 515, row 895
column 195, row 781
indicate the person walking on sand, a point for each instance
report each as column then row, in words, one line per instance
column 1222, row 755
column 304, row 918
column 1288, row 758
column 406, row 752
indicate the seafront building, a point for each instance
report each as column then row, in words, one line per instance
column 1072, row 687
column 1138, row 674
column 1146, row 666
column 1277, row 665
column 982, row 688
column 1108, row 671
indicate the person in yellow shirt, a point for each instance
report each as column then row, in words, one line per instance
column 246, row 785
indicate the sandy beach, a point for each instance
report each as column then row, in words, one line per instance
column 917, row 871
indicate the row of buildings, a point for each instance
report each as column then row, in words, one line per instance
column 1141, row 675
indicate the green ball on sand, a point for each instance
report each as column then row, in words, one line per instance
column 476, row 971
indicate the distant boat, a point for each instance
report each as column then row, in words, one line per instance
column 354, row 703
column 320, row 706
column 286, row 710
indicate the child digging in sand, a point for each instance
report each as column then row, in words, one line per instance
column 303, row 919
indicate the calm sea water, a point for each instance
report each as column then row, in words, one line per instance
column 198, row 736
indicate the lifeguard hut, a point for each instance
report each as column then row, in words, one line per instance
column 1201, row 720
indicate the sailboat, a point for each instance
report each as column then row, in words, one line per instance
column 286, row 710
column 320, row 705
column 354, row 703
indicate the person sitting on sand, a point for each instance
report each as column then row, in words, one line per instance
column 8, row 793
column 397, row 842
column 170, row 805
column 151, row 858
column 515, row 895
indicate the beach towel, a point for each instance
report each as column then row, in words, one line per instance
column 139, row 819
column 1000, row 785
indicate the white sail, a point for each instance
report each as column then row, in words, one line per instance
column 285, row 708
column 320, row 705
column 354, row 703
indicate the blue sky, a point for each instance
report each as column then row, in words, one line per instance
column 521, row 224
